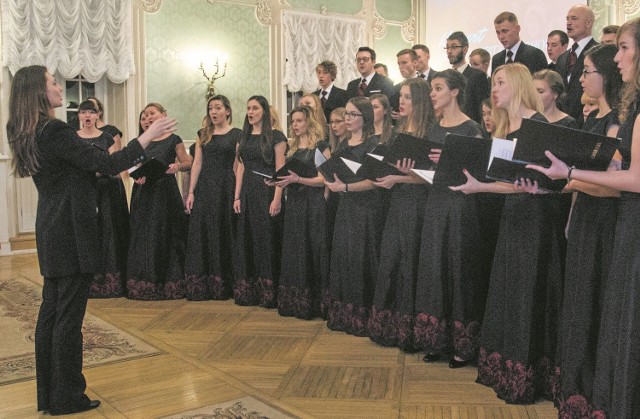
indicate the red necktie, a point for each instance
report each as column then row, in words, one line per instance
column 573, row 57
column 362, row 88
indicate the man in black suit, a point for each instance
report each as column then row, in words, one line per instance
column 422, row 63
column 407, row 59
column 557, row 43
column 331, row 97
column 369, row 81
column 508, row 32
column 580, row 20
column 480, row 59
column 477, row 88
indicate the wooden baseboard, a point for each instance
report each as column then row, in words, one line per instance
column 23, row 242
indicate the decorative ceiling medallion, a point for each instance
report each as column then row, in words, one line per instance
column 408, row 29
column 151, row 6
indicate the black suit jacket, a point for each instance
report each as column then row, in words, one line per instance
column 67, row 221
column 432, row 73
column 477, row 90
column 532, row 57
column 337, row 99
column 571, row 104
column 378, row 84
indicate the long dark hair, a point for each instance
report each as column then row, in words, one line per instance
column 602, row 57
column 266, row 135
column 387, row 122
column 206, row 132
column 29, row 109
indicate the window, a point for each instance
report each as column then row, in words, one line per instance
column 76, row 91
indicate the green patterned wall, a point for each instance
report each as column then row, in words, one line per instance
column 174, row 37
column 387, row 48
column 182, row 29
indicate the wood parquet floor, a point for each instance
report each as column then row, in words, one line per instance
column 217, row 351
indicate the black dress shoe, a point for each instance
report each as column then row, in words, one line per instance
column 92, row 404
column 431, row 357
column 454, row 363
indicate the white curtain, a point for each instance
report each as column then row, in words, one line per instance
column 311, row 39
column 92, row 38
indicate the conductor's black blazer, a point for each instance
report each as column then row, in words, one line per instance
column 67, row 219
column 378, row 84
column 337, row 99
column 571, row 103
column 533, row 58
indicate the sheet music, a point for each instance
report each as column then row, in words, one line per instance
column 354, row 166
column 376, row 156
column 319, row 158
column 502, row 149
column 425, row 174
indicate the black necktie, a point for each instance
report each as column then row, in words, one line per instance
column 362, row 88
column 424, row 76
column 509, row 56
column 323, row 98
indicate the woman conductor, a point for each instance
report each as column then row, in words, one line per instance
column 63, row 168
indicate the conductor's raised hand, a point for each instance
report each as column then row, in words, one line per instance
column 160, row 127
column 557, row 170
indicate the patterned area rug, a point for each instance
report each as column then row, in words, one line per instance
column 19, row 303
column 244, row 408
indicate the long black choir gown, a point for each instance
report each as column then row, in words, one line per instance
column 518, row 342
column 616, row 388
column 259, row 236
column 208, row 265
column 304, row 271
column 113, row 230
column 452, row 278
column 392, row 315
column 155, row 266
column 355, row 252
column 589, row 252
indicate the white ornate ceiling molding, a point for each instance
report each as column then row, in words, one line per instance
column 151, row 6
column 379, row 25
column 631, row 6
column 263, row 12
column 599, row 8
column 408, row 29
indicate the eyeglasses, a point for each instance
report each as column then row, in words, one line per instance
column 448, row 47
column 363, row 60
column 351, row 115
column 585, row 72
column 336, row 121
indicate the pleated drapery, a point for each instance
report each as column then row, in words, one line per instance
column 92, row 38
column 311, row 39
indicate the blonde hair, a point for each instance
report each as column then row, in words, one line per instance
column 313, row 130
column 318, row 111
column 524, row 93
column 630, row 95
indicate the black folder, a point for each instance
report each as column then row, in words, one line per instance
column 153, row 169
column 335, row 165
column 374, row 169
column 410, row 147
column 512, row 170
column 460, row 152
column 581, row 149
column 297, row 166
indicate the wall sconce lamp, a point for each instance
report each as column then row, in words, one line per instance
column 211, row 80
